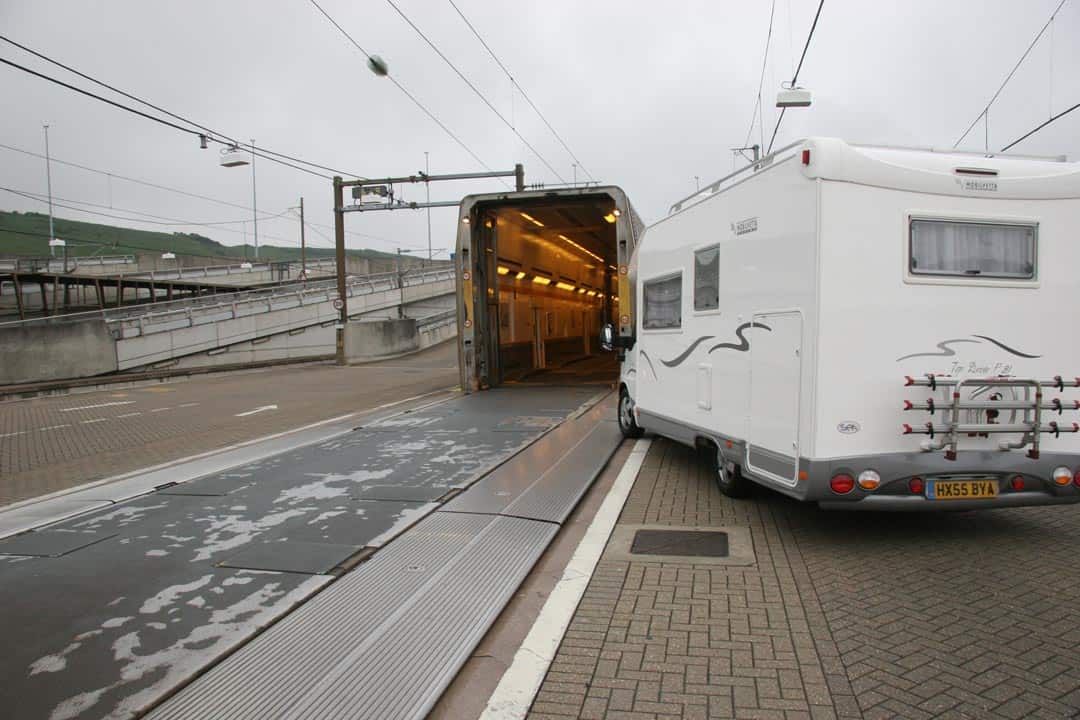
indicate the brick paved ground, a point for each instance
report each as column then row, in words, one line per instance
column 54, row 443
column 965, row 615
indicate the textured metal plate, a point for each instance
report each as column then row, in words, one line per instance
column 213, row 486
column 687, row 543
column 50, row 543
column 291, row 556
column 518, row 476
column 385, row 640
column 556, row 492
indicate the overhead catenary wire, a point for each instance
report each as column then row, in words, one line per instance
column 60, row 202
column 795, row 77
column 1008, row 77
column 476, row 90
column 408, row 94
column 166, row 188
column 211, row 133
column 520, row 89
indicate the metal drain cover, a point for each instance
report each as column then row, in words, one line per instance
column 686, row 543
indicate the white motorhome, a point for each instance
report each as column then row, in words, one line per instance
column 867, row 327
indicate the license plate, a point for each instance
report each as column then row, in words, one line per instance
column 961, row 489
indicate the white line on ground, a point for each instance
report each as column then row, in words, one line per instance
column 519, row 684
column 99, row 405
column 95, row 420
column 187, row 404
column 160, row 409
column 54, row 427
column 21, row 432
column 127, row 415
column 264, row 408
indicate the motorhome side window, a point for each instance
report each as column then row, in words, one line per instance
column 972, row 249
column 663, row 303
column 707, row 278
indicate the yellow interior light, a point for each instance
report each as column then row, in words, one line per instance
column 592, row 293
column 579, row 247
column 610, row 217
column 541, row 280
column 502, row 270
column 580, row 290
column 564, row 286
column 519, row 275
column 616, row 212
column 531, row 219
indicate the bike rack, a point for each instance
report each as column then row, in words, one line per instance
column 946, row 434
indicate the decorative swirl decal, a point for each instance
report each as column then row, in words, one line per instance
column 1006, row 348
column 686, row 353
column 946, row 351
column 743, row 345
column 648, row 360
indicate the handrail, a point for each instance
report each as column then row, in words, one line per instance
column 713, row 187
column 141, row 314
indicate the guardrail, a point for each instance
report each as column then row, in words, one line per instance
column 51, row 264
column 440, row 318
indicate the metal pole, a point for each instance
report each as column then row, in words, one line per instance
column 303, row 247
column 401, row 286
column 48, row 180
column 427, row 186
column 519, row 177
column 339, row 246
column 254, row 200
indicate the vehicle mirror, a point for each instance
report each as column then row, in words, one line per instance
column 607, row 337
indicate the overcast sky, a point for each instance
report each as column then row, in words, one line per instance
column 646, row 95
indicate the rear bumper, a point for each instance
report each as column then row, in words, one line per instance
column 917, row 503
column 897, row 469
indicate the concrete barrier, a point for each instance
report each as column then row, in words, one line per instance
column 34, row 353
column 376, row 339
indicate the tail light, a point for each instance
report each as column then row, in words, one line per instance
column 842, row 484
column 1017, row 483
column 1062, row 476
column 1076, row 479
column 915, row 485
column 869, row 480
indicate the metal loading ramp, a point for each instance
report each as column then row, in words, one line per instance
column 386, row 639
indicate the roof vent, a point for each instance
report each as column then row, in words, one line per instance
column 986, row 172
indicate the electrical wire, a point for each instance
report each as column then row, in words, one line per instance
column 1025, row 136
column 408, row 94
column 520, row 89
column 795, row 77
column 1009, row 76
column 476, row 90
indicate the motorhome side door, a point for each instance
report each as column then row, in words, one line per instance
column 772, row 446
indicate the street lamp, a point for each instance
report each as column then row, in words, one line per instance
column 48, row 180
column 233, row 156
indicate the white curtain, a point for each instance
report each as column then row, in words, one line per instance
column 972, row 249
column 663, row 303
column 707, row 279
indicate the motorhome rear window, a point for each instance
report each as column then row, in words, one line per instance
column 663, row 303
column 707, row 278
column 972, row 249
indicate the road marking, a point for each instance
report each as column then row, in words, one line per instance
column 96, row 420
column 264, row 408
column 187, row 404
column 160, row 409
column 99, row 405
column 519, row 684
column 21, row 432
column 54, row 427
column 127, row 415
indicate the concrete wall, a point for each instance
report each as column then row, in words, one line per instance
column 380, row 338
column 54, row 352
